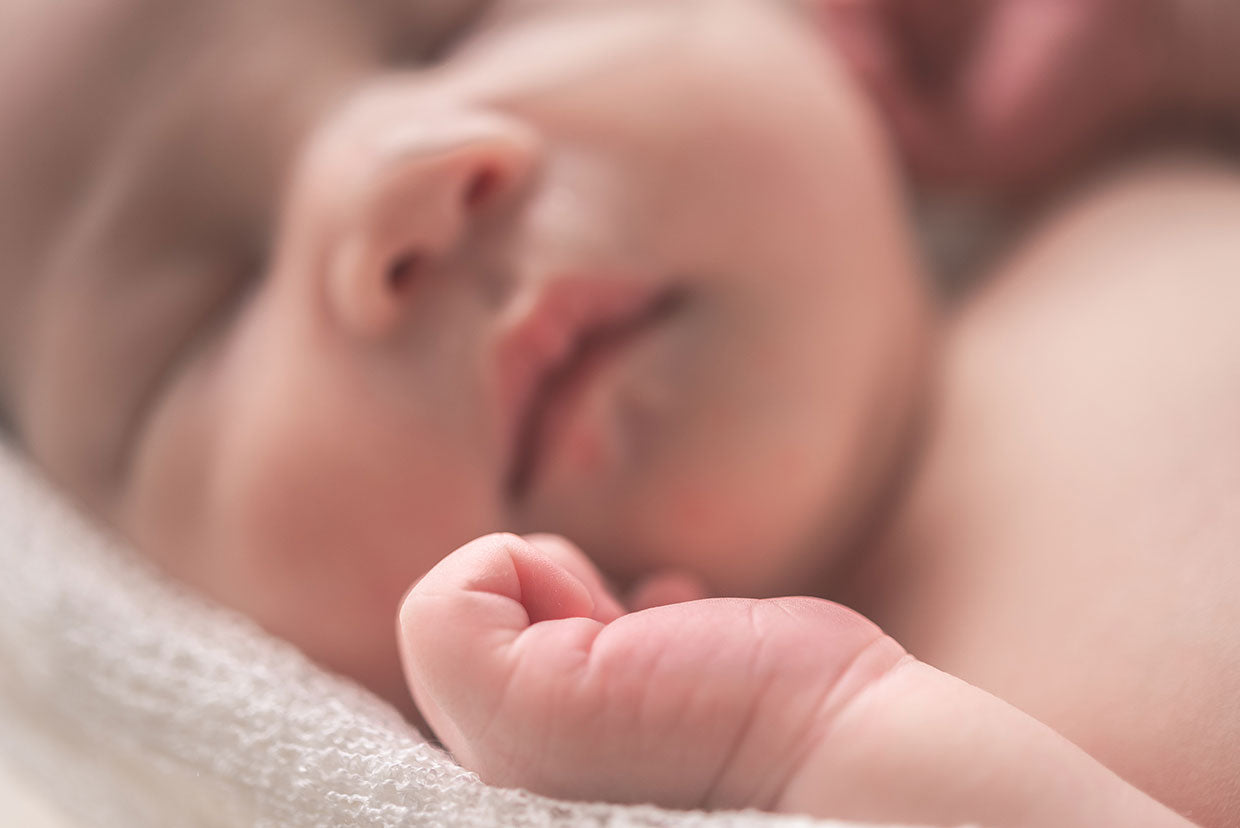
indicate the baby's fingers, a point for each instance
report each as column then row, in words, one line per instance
column 606, row 607
column 464, row 628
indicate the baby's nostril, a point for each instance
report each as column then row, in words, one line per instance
column 482, row 188
column 403, row 271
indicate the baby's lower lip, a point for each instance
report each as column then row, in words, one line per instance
column 566, row 391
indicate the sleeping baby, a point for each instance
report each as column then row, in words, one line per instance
column 300, row 314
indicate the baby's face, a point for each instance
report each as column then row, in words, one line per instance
column 300, row 317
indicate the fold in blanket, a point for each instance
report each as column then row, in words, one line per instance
column 132, row 703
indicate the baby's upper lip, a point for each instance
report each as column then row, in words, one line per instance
column 545, row 332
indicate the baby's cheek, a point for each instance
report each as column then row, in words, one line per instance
column 299, row 546
column 338, row 507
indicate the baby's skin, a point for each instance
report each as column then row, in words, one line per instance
column 300, row 322
column 534, row 675
column 1064, row 602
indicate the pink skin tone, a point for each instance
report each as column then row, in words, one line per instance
column 1016, row 94
column 1011, row 91
column 534, row 675
column 500, row 294
column 788, row 704
column 303, row 434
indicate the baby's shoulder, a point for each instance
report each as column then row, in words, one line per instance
column 1082, row 488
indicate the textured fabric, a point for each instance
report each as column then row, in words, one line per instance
column 131, row 702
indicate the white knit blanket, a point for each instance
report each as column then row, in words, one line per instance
column 129, row 702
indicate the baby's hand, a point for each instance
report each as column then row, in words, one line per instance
column 533, row 676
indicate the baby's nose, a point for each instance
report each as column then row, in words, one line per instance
column 420, row 192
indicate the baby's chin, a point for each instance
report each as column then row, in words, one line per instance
column 785, row 501
column 785, row 533
column 754, row 537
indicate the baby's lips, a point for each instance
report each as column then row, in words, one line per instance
column 543, row 328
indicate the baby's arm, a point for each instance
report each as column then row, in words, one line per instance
column 533, row 676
